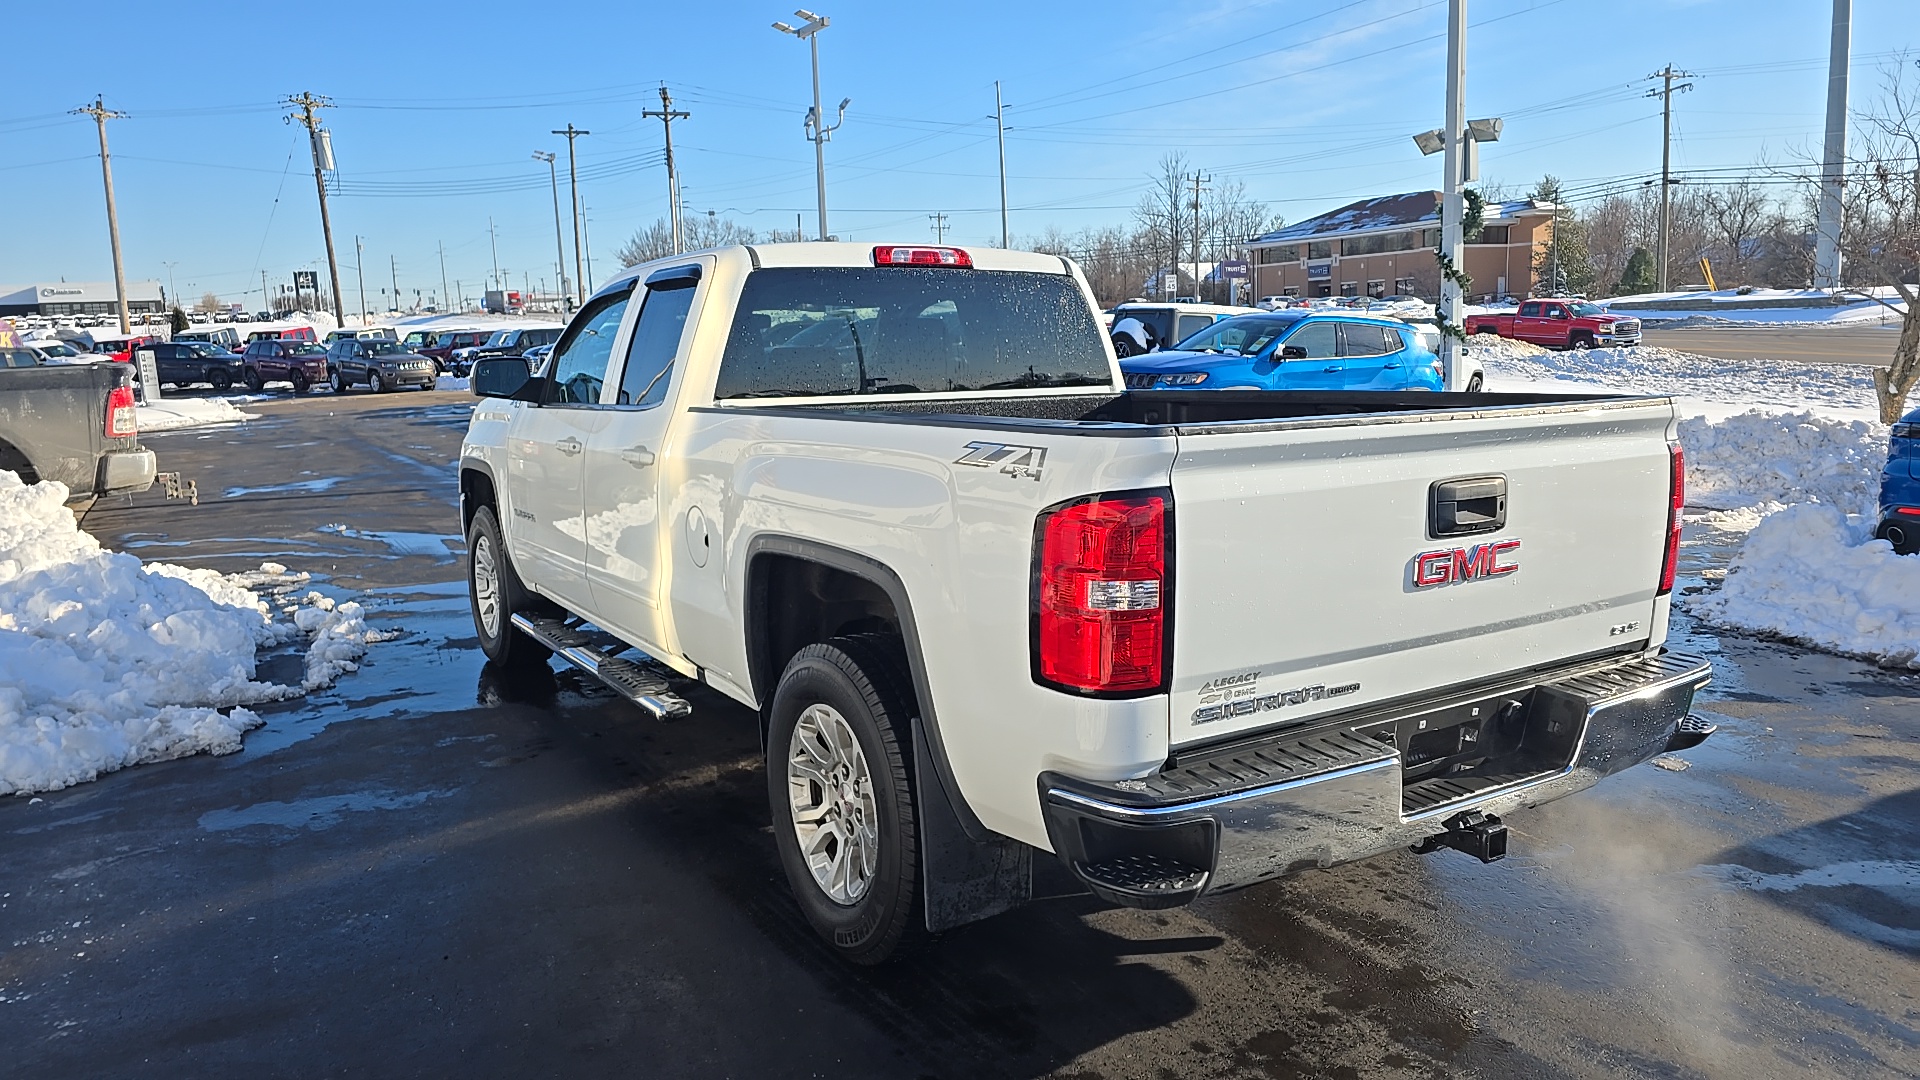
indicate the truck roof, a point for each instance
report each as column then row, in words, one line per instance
column 832, row 253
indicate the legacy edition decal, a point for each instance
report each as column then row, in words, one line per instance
column 1239, row 695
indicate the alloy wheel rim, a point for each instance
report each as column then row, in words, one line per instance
column 830, row 794
column 486, row 585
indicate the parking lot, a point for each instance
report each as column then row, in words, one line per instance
column 434, row 870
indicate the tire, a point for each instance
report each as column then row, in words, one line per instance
column 254, row 382
column 1581, row 342
column 375, row 383
column 839, row 726
column 219, row 380
column 339, row 381
column 1475, row 384
column 300, row 383
column 494, row 593
column 1124, row 346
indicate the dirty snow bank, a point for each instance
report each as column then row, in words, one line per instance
column 1646, row 369
column 169, row 414
column 1813, row 575
column 1757, row 458
column 106, row 661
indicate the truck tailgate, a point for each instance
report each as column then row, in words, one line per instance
column 1298, row 585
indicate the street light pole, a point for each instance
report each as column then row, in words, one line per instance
column 559, row 245
column 1452, row 208
column 1000, row 126
column 816, row 124
column 360, row 268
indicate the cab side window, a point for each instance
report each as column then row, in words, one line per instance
column 1318, row 338
column 1530, row 310
column 579, row 364
column 656, row 340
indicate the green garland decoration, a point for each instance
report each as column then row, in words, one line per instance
column 1459, row 277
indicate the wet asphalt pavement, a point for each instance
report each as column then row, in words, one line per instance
column 432, row 871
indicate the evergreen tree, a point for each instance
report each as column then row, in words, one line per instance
column 1565, row 266
column 179, row 319
column 1639, row 276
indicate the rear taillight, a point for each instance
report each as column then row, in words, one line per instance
column 1676, row 506
column 120, row 413
column 1100, row 595
column 898, row 255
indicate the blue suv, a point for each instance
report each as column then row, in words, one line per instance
column 1292, row 350
column 1900, row 487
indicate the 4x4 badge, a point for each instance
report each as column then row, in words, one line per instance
column 1016, row 461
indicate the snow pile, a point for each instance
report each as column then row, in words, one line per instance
column 168, row 414
column 1758, row 458
column 107, row 662
column 1812, row 575
column 1646, row 369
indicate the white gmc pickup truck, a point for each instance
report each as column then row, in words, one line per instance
column 988, row 603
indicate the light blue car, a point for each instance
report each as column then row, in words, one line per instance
column 1295, row 350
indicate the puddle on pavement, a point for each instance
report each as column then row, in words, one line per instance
column 319, row 812
column 441, row 547
column 308, row 486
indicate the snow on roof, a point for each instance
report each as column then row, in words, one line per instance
column 1415, row 208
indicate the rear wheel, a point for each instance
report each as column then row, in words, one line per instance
column 495, row 593
column 841, row 797
column 1475, row 384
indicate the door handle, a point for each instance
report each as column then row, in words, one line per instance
column 637, row 456
column 1335, row 367
column 568, row 446
column 1390, row 367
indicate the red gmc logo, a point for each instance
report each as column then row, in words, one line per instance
column 1432, row 568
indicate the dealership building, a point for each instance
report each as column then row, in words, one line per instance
column 1385, row 246
column 79, row 298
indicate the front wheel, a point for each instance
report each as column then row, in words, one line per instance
column 219, row 380
column 841, row 797
column 495, row 592
column 375, row 383
column 339, row 381
column 254, row 382
column 300, row 383
column 1582, row 342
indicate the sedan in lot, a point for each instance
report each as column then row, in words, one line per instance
column 1296, row 350
column 381, row 363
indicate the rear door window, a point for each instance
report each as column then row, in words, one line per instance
column 1530, row 311
column 1191, row 325
column 1366, row 339
column 826, row 331
column 656, row 340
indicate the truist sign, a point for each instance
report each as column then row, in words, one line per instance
column 1458, row 565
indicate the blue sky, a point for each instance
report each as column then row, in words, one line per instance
column 1310, row 103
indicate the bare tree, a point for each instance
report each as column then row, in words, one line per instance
column 1735, row 216
column 1881, row 243
column 209, row 303
column 1164, row 214
column 656, row 240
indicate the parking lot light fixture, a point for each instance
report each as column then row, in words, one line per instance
column 818, row 130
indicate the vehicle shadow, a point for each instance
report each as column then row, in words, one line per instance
column 1022, row 994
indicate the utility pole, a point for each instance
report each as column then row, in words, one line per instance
column 101, row 114
column 1665, row 93
column 393, row 267
column 1198, row 182
column 444, row 297
column 493, row 238
column 573, row 186
column 266, row 301
column 1000, row 125
column 668, row 115
column 360, row 268
column 939, row 227
column 816, row 125
column 559, row 245
column 171, row 290
column 1452, row 207
column 322, row 144
column 1833, row 167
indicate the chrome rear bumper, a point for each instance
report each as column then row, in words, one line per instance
column 1298, row 800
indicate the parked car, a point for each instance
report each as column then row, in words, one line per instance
column 415, row 340
column 942, row 573
column 1165, row 324
column 512, row 341
column 363, row 333
column 55, row 351
column 224, row 336
column 119, row 347
column 1285, row 350
column 183, row 363
column 1559, row 324
column 1277, row 303
column 381, row 363
column 299, row 363
column 1900, row 487
column 440, row 350
column 75, row 423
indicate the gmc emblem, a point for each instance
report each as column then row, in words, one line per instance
column 1431, row 568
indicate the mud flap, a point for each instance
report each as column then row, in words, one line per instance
column 963, row 880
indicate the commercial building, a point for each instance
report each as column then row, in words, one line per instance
column 79, row 298
column 1385, row 246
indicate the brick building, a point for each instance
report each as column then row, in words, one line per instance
column 1385, row 246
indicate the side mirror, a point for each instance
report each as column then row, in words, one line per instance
column 1293, row 352
column 500, row 376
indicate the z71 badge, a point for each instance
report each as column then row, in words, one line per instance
column 1019, row 462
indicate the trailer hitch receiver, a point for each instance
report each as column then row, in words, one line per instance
column 1482, row 836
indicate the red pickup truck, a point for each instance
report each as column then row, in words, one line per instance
column 1560, row 324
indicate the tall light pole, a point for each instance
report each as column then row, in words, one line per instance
column 360, row 268
column 1452, row 209
column 816, row 125
column 171, row 291
column 101, row 114
column 559, row 245
column 573, row 187
column 1000, row 125
column 1833, row 166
